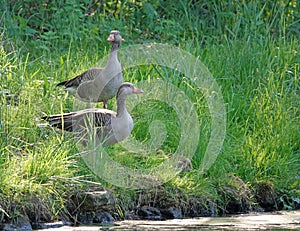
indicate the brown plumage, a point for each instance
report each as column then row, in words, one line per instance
column 99, row 84
column 110, row 127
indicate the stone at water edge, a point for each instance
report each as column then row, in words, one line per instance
column 149, row 213
column 93, row 206
column 22, row 224
column 103, row 217
column 171, row 213
column 95, row 200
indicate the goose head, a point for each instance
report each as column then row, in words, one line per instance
column 114, row 37
column 127, row 89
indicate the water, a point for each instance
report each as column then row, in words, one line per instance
column 284, row 220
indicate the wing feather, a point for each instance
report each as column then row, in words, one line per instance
column 85, row 76
column 84, row 119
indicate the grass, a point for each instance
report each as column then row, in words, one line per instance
column 256, row 66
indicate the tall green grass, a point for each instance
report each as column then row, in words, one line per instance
column 252, row 50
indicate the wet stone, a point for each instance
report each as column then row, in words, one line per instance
column 98, row 217
column 92, row 206
column 266, row 196
column 103, row 217
column 171, row 213
column 238, row 196
column 95, row 200
column 149, row 213
column 85, row 218
column 131, row 215
column 22, row 224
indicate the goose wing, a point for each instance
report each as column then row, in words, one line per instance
column 85, row 76
column 81, row 120
column 61, row 121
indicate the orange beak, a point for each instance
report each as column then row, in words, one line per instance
column 111, row 38
column 137, row 91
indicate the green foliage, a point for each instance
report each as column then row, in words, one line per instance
column 250, row 47
column 34, row 174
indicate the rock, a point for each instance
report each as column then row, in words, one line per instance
column 22, row 224
column 94, row 200
column 92, row 206
column 103, row 217
column 85, row 218
column 171, row 213
column 206, row 213
column 99, row 217
column 266, row 195
column 131, row 215
column 237, row 195
column 149, row 213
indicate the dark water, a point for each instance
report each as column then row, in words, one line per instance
column 285, row 220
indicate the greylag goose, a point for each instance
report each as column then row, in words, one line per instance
column 99, row 84
column 110, row 127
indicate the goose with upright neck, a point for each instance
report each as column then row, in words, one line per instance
column 111, row 127
column 99, row 84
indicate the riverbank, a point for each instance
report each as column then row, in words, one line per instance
column 94, row 207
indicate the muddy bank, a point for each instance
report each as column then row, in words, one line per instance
column 98, row 206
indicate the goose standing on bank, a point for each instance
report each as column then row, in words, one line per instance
column 110, row 127
column 99, row 84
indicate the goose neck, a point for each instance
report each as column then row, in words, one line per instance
column 121, row 107
column 113, row 55
column 114, row 47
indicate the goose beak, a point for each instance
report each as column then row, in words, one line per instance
column 137, row 91
column 111, row 38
